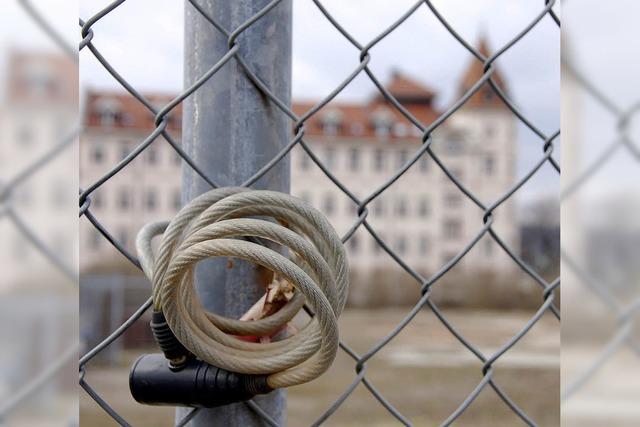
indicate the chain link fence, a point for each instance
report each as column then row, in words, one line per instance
column 487, row 362
column 611, row 283
column 12, row 191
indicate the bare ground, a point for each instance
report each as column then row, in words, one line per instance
column 424, row 372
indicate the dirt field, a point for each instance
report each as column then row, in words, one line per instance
column 425, row 373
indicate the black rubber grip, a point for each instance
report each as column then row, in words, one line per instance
column 197, row 384
column 172, row 349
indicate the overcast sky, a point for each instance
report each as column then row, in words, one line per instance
column 603, row 41
column 145, row 44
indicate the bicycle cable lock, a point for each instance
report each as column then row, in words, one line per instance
column 210, row 360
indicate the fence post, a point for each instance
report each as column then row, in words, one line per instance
column 230, row 129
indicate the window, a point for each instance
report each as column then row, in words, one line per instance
column 328, row 205
column 378, row 160
column 378, row 207
column 401, row 245
column 97, row 201
column 150, row 199
column 400, row 129
column 424, row 163
column 452, row 229
column 331, row 122
column 329, row 128
column 97, row 153
column 452, row 200
column 382, row 120
column 108, row 117
column 124, row 199
column 453, row 146
column 305, row 161
column 423, row 208
column 381, row 129
column 107, row 111
column 354, row 159
column 354, row 244
column 489, row 164
column 330, row 158
column 401, row 207
column 423, row 245
column 176, row 200
column 124, row 149
column 403, row 157
column 488, row 94
column 151, row 155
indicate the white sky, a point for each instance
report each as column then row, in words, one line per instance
column 604, row 42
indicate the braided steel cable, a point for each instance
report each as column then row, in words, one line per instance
column 212, row 225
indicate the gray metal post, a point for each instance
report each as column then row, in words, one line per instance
column 231, row 130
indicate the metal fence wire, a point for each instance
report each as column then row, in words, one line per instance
column 625, row 310
column 10, row 191
column 548, row 290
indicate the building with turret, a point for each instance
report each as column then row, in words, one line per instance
column 422, row 216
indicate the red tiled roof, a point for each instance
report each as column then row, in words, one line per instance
column 356, row 119
column 131, row 114
column 350, row 119
column 41, row 78
column 485, row 96
column 405, row 88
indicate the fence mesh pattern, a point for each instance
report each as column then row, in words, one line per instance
column 548, row 290
column 10, row 191
column 625, row 310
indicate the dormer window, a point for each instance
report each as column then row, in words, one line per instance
column 108, row 111
column 331, row 122
column 454, row 144
column 488, row 94
column 382, row 120
column 400, row 130
column 39, row 79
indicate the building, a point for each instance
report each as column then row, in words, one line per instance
column 39, row 110
column 423, row 216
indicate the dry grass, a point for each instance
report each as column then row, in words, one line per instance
column 424, row 372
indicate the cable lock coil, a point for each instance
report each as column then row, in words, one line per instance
column 213, row 225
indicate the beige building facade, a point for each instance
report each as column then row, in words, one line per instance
column 422, row 216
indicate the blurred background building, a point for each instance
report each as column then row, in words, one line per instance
column 38, row 298
column 424, row 217
column 39, row 111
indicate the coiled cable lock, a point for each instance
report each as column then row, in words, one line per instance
column 208, row 362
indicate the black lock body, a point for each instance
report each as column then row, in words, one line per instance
column 196, row 384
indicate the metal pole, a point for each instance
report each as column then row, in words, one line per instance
column 230, row 129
